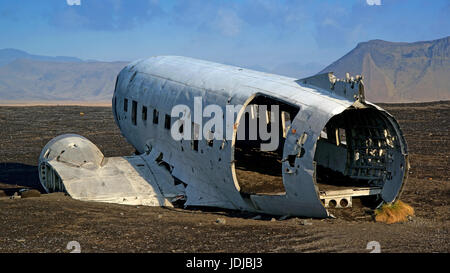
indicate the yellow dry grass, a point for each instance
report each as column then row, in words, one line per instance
column 394, row 213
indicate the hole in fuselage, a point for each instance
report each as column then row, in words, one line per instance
column 259, row 171
column 353, row 152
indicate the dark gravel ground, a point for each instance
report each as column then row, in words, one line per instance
column 48, row 223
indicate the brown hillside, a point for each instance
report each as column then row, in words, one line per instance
column 400, row 72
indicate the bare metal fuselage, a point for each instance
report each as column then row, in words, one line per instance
column 322, row 110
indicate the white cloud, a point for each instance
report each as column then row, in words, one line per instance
column 73, row 2
column 373, row 2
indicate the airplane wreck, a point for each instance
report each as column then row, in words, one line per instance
column 333, row 145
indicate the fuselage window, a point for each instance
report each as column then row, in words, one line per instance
column 195, row 134
column 285, row 122
column 209, row 139
column 125, row 105
column 155, row 116
column 133, row 112
column 144, row 113
column 167, row 122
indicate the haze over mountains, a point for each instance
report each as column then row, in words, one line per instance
column 26, row 77
column 393, row 72
column 32, row 80
column 9, row 55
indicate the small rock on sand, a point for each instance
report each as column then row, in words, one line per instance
column 304, row 222
column 221, row 221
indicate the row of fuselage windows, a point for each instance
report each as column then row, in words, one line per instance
column 155, row 120
column 144, row 114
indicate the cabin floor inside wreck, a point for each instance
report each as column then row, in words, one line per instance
column 259, row 172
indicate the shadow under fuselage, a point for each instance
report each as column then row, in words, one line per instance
column 16, row 176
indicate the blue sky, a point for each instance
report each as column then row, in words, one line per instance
column 247, row 33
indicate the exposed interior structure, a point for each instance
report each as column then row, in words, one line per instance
column 353, row 156
column 53, row 182
column 258, row 171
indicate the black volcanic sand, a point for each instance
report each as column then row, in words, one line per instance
column 48, row 223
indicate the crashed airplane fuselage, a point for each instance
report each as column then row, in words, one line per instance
column 318, row 143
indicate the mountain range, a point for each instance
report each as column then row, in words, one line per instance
column 392, row 71
column 9, row 55
column 27, row 77
column 399, row 72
